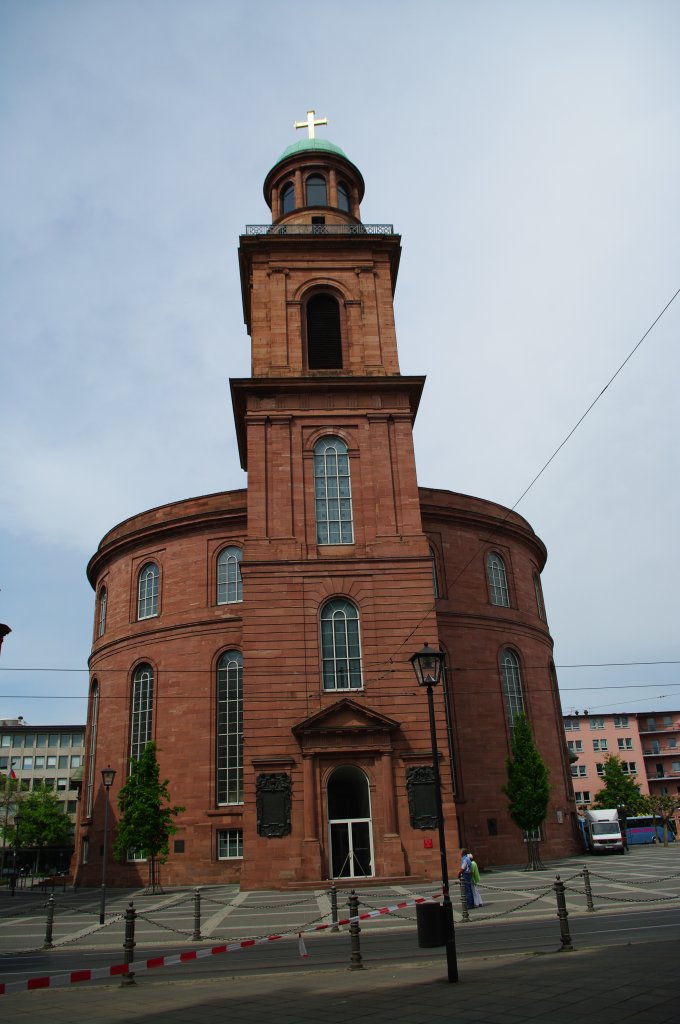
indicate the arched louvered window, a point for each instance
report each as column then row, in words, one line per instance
column 340, row 649
column 147, row 593
column 498, row 580
column 91, row 761
column 101, row 612
column 324, row 336
column 229, row 731
column 512, row 686
column 344, row 200
column 316, row 194
column 288, row 198
column 141, row 725
column 332, row 492
column 229, row 583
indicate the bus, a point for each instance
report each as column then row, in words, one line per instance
column 646, row 829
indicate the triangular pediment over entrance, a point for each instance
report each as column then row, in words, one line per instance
column 345, row 716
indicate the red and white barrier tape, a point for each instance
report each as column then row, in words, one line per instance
column 97, row 973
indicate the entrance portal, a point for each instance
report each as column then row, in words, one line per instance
column 349, row 824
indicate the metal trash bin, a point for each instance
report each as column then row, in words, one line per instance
column 430, row 923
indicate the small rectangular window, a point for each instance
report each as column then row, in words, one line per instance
column 620, row 721
column 41, row 739
column 5, row 741
column 63, row 761
column 51, row 761
column 597, row 723
column 27, row 764
column 230, row 844
column 39, row 762
column 76, row 760
column 29, row 740
column 62, row 785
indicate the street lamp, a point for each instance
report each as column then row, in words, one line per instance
column 108, row 775
column 428, row 665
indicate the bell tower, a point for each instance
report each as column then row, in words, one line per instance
column 337, row 572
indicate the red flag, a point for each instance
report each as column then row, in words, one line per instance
column 12, row 773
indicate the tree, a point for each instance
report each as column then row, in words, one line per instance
column 528, row 789
column 146, row 822
column 620, row 790
column 10, row 798
column 43, row 822
column 663, row 806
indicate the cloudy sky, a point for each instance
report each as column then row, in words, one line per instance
column 528, row 153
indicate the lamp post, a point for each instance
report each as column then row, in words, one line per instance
column 108, row 775
column 428, row 665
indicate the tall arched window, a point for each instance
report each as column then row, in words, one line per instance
column 324, row 334
column 332, row 492
column 498, row 580
column 539, row 597
column 101, row 612
column 344, row 202
column 316, row 194
column 512, row 686
column 435, row 580
column 229, row 583
column 94, row 718
column 141, row 725
column 229, row 729
column 288, row 198
column 340, row 649
column 147, row 593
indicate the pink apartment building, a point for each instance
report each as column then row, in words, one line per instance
column 648, row 744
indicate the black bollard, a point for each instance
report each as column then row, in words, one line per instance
column 355, row 963
column 196, row 937
column 563, row 916
column 129, row 945
column 47, row 944
column 333, row 893
column 588, row 889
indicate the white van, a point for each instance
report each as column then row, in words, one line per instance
column 603, row 831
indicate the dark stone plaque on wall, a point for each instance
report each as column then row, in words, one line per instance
column 272, row 791
column 422, row 799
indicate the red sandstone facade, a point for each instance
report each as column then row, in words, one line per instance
column 323, row 781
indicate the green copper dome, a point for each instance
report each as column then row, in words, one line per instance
column 320, row 145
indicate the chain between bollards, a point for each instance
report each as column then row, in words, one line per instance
column 47, row 944
column 463, row 900
column 355, row 963
column 588, row 889
column 129, row 945
column 196, row 937
column 563, row 916
column 333, row 893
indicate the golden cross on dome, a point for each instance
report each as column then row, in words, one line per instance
column 310, row 124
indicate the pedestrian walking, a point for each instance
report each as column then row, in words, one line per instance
column 474, row 872
column 465, row 874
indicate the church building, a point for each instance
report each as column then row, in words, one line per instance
column 262, row 637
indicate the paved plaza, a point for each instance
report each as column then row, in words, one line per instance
column 627, row 981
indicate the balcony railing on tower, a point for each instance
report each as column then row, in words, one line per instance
column 319, row 229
